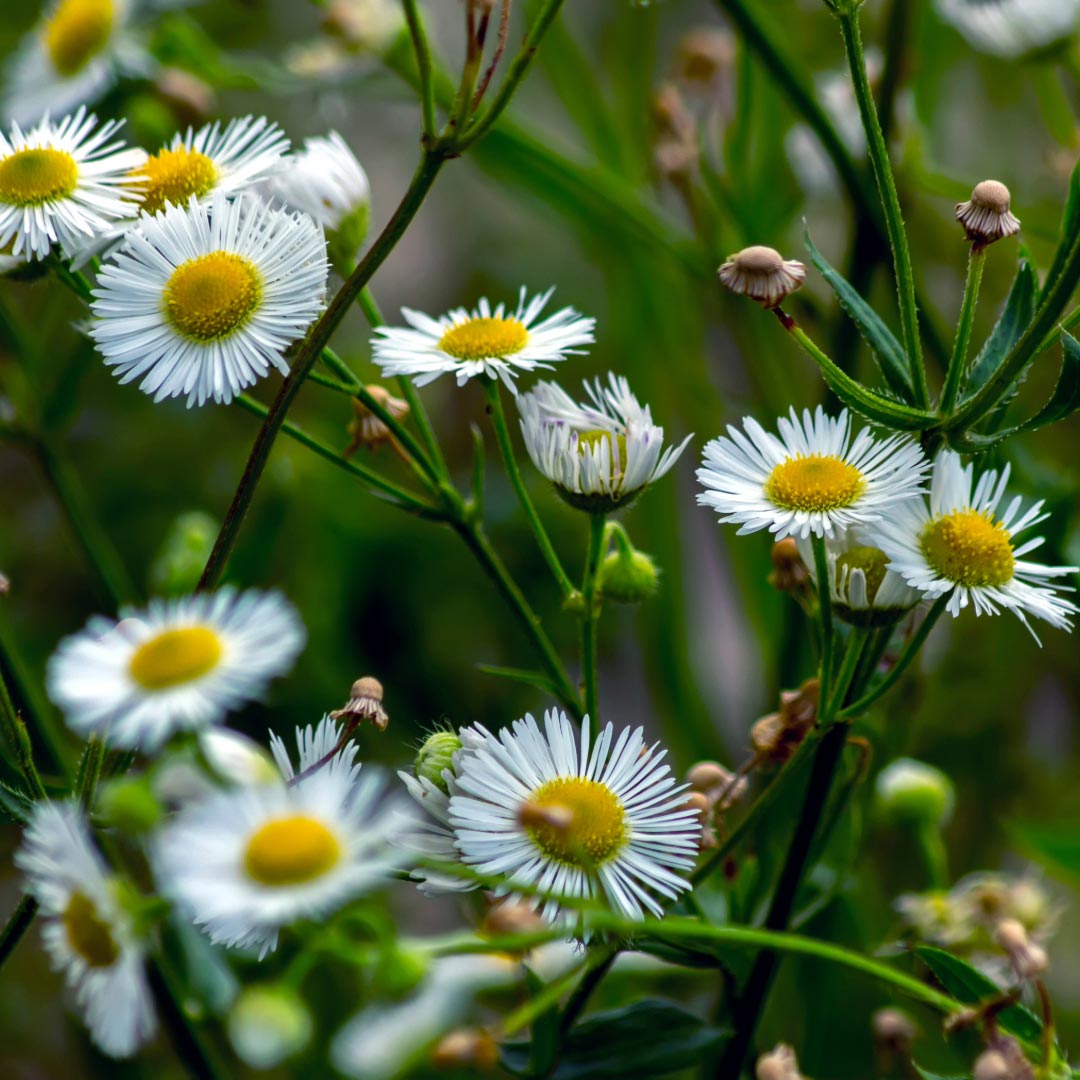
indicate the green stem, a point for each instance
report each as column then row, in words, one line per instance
column 506, row 448
column 431, row 162
column 932, row 847
column 852, row 655
column 821, row 572
column 422, row 51
column 890, row 200
column 19, row 739
column 600, row 963
column 589, row 619
column 18, row 923
column 910, row 652
column 958, row 360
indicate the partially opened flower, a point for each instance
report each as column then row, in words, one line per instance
column 250, row 861
column 63, row 183
column 202, row 300
column 87, row 931
column 962, row 547
column 600, row 454
column 1011, row 28
column 177, row 665
column 573, row 819
column 986, row 216
column 493, row 342
column 813, row 479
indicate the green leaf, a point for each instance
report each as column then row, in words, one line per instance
column 1055, row 847
column 926, row 1075
column 16, row 804
column 1065, row 399
column 888, row 353
column 530, row 678
column 970, row 987
column 650, row 1038
column 1070, row 222
column 1015, row 317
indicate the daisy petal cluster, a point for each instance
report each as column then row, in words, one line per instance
column 88, row 935
column 963, row 544
column 62, row 184
column 203, row 299
column 494, row 342
column 601, row 453
column 178, row 665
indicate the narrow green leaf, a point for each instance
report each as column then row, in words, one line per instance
column 530, row 678
column 16, row 804
column 970, row 987
column 1070, row 222
column 888, row 353
column 1065, row 399
column 1015, row 317
column 544, row 1045
column 1055, row 847
column 927, row 1075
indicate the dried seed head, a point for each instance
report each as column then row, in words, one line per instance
column 777, row 736
column 990, row 1065
column 789, row 573
column 695, row 800
column 1028, row 960
column 467, row 1048
column 512, row 917
column 365, row 703
column 763, row 274
column 706, row 775
column 778, row 1064
column 1003, row 1060
column 366, row 429
column 986, row 216
column 894, row 1031
column 704, row 55
column 672, row 120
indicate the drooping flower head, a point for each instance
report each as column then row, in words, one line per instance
column 62, row 183
column 202, row 300
column 986, row 216
column 601, row 453
column 87, row 931
column 552, row 811
column 494, row 342
column 762, row 274
column 960, row 545
column 814, row 479
column 178, row 665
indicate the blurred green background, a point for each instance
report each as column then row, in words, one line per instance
column 574, row 196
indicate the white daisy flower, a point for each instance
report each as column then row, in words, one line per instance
column 178, row 665
column 548, row 811
column 325, row 180
column 1011, row 28
column 313, row 745
column 487, row 341
column 601, row 453
column 87, row 933
column 62, row 183
column 72, row 57
column 204, row 299
column 814, row 479
column 864, row 591
column 961, row 546
column 249, row 861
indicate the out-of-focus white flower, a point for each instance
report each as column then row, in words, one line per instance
column 1011, row 28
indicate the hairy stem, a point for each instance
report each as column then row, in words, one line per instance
column 958, row 360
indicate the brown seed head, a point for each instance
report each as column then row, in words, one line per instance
column 366, row 429
column 986, row 216
column 789, row 573
column 762, row 274
column 365, row 703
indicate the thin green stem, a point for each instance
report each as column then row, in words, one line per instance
column 18, row 923
column 431, row 162
column 958, row 360
column 890, row 200
column 331, row 384
column 821, row 572
column 590, row 618
column 844, row 678
column 911, row 650
column 506, row 448
column 935, row 857
column 600, row 963
column 19, row 739
column 422, row 52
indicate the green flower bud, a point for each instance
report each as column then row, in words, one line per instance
column 129, row 804
column 343, row 244
column 267, row 1025
column 435, row 755
column 401, row 970
column 913, row 793
column 180, row 560
column 628, row 577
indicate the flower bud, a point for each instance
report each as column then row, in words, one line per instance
column 762, row 274
column 183, row 554
column 365, row 703
column 436, row 756
column 789, row 573
column 706, row 775
column 628, row 577
column 986, row 216
column 129, row 804
column 913, row 793
column 467, row 1048
column 778, row 1064
column 366, row 429
column 1028, row 960
column 268, row 1025
column 894, row 1031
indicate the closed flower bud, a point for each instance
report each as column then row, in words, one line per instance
column 467, row 1048
column 986, row 216
column 183, row 554
column 778, row 1064
column 512, row 917
column 268, row 1025
column 789, row 573
column 129, row 804
column 436, row 756
column 913, row 793
column 366, row 429
column 695, row 800
column 762, row 274
column 365, row 703
column 777, row 736
column 1028, row 960
column 894, row 1031
column 628, row 577
column 706, row 775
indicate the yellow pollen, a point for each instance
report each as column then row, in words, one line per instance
column 34, row 176
column 291, row 851
column 814, row 482
column 597, row 830
column 173, row 176
column 479, row 339
column 595, row 438
column 77, row 32
column 212, row 296
column 87, row 933
column 175, row 657
column 870, row 560
column 969, row 548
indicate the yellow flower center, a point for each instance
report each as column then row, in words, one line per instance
column 870, row 560
column 969, row 548
column 597, row 828
column 173, row 176
column 814, row 482
column 212, row 296
column 34, row 176
column 87, row 934
column 175, row 657
column 595, row 438
column 77, row 32
column 291, row 851
column 481, row 339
